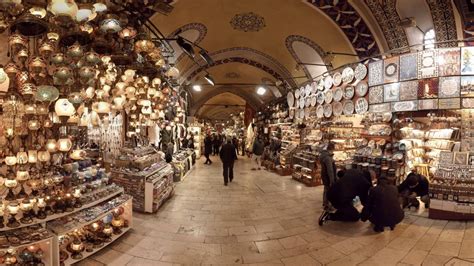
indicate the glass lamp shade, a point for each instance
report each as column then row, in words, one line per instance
column 75, row 98
column 77, row 154
column 22, row 175
column 37, row 65
column 64, row 107
column 3, row 75
column 172, row 72
column 37, row 12
column 44, row 156
column 101, row 107
column 119, row 102
column 100, row 7
column 34, row 125
column 26, row 205
column 32, row 156
column 46, row 49
column 22, row 157
column 41, row 203
column 47, row 123
column 86, row 72
column 11, row 69
column 146, row 110
column 73, row 120
column 86, row 12
column 13, row 207
column 128, row 33
column 10, row 160
column 58, row 58
column 110, row 25
column 51, row 145
column 66, row 8
column 75, row 51
column 144, row 46
column 92, row 58
column 130, row 91
column 42, row 110
column 30, row 109
column 53, row 36
column 144, row 102
column 64, row 144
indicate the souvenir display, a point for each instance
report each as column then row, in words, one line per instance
column 297, row 93
column 320, row 97
column 347, row 75
column 348, row 107
column 428, row 88
column 337, row 79
column 313, row 100
column 328, row 96
column 361, row 106
column 427, row 64
column 361, row 88
column 449, row 63
column 328, row 82
column 391, row 92
column 327, row 110
column 349, row 92
column 360, row 71
column 376, row 94
column 409, row 90
column 338, row 93
column 408, row 67
column 320, row 111
column 449, row 87
column 467, row 61
column 337, row 108
column 375, row 73
column 391, row 69
column 290, row 98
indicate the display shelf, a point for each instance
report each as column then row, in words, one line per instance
column 48, row 239
column 60, row 215
column 64, row 231
column 85, row 254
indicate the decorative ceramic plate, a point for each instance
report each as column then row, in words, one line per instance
column 327, row 110
column 328, row 82
column 297, row 104
column 291, row 113
column 337, row 108
column 348, row 107
column 349, row 92
column 362, row 88
column 387, row 117
column 360, row 71
column 307, row 90
column 320, row 97
column 297, row 93
column 328, row 96
column 313, row 100
column 320, row 111
column 307, row 102
column 302, row 91
column 290, row 98
column 338, row 94
column 376, row 94
column 337, row 79
column 302, row 102
column 449, row 87
column 347, row 75
column 306, row 113
column 361, row 106
column 314, row 87
column 321, row 85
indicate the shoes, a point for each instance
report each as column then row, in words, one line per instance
column 225, row 184
column 323, row 218
column 253, row 169
column 378, row 229
column 231, row 180
column 259, row 168
column 392, row 227
column 427, row 206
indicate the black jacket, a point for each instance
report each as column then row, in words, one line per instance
column 258, row 147
column 421, row 189
column 382, row 207
column 328, row 168
column 354, row 183
column 207, row 145
column 227, row 153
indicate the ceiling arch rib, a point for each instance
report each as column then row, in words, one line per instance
column 305, row 50
column 222, row 106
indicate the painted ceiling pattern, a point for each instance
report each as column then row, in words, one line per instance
column 443, row 19
column 298, row 38
column 247, row 22
column 389, row 21
column 351, row 23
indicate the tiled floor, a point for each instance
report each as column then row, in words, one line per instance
column 265, row 219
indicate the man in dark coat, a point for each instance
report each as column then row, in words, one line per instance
column 328, row 172
column 208, row 148
column 382, row 207
column 228, row 156
column 354, row 183
column 216, row 143
column 415, row 185
column 257, row 150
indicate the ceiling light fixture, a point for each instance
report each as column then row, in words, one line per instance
column 186, row 46
column 206, row 57
column 197, row 87
column 209, row 79
column 261, row 90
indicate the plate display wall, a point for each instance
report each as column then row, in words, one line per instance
column 467, row 60
column 409, row 90
column 427, row 64
column 376, row 94
column 408, row 67
column 449, row 87
column 376, row 73
column 391, row 69
column 391, row 92
column 449, row 63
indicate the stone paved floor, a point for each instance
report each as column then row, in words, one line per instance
column 265, row 219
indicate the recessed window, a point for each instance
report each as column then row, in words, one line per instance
column 429, row 39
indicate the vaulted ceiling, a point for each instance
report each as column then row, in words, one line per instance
column 261, row 41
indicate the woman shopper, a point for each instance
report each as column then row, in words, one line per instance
column 208, row 148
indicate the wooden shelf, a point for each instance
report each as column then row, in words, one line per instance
column 28, row 244
column 367, row 136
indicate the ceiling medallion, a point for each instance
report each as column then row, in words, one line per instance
column 232, row 75
column 247, row 22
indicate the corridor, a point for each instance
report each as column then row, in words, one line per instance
column 264, row 219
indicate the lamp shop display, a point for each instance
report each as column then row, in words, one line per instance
column 75, row 70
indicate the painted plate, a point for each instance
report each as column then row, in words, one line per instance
column 290, row 98
column 297, row 93
column 337, row 108
column 320, row 111
column 328, row 82
column 349, row 92
column 314, row 87
column 297, row 104
column 307, row 102
column 348, row 107
column 320, row 97
column 328, row 96
column 360, row 71
column 302, row 102
column 306, row 113
column 291, row 113
column 327, row 110
column 347, row 75
column 321, row 85
column 338, row 94
column 314, row 100
column 337, row 79
column 361, row 106
column 307, row 90
column 362, row 88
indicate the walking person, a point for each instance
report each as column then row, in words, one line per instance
column 382, row 208
column 328, row 172
column 257, row 151
column 228, row 156
column 208, row 148
column 216, row 143
column 235, row 142
column 169, row 152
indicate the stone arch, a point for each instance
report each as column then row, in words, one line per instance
column 290, row 40
column 253, row 102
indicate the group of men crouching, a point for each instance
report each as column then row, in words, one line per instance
column 382, row 204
